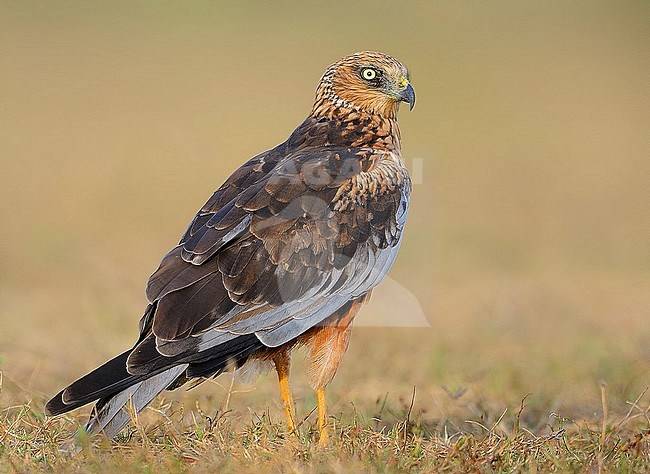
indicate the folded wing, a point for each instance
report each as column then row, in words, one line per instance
column 272, row 254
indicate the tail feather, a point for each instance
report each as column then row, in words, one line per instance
column 116, row 390
column 106, row 380
column 113, row 413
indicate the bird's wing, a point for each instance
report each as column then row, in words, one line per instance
column 280, row 246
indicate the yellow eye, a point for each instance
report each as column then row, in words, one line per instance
column 368, row 74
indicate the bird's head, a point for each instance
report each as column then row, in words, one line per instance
column 371, row 81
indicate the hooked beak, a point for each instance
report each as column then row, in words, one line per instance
column 407, row 95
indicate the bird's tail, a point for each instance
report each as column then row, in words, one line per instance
column 117, row 392
column 113, row 413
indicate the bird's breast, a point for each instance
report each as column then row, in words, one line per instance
column 386, row 179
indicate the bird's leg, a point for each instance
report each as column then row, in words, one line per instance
column 328, row 345
column 282, row 363
column 322, row 417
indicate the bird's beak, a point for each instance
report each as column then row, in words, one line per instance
column 407, row 95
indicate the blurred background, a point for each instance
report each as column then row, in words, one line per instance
column 528, row 242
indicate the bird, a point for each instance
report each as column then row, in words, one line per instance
column 283, row 254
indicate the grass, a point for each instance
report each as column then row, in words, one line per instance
column 170, row 437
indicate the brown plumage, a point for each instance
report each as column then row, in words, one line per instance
column 284, row 253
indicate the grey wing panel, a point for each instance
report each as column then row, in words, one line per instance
column 294, row 327
column 280, row 325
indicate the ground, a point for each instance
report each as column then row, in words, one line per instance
column 380, row 422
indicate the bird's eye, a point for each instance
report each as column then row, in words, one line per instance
column 369, row 74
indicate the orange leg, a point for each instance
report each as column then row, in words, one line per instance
column 322, row 418
column 282, row 363
column 328, row 345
